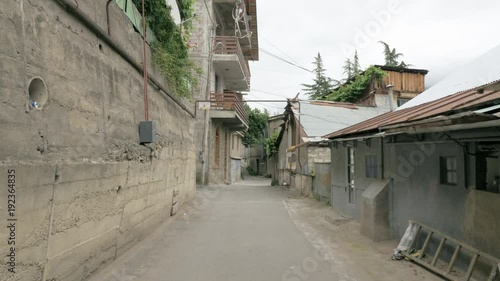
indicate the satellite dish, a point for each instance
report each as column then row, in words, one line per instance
column 174, row 12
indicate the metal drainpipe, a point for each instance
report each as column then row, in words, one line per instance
column 72, row 7
column 298, row 140
column 107, row 16
column 145, row 64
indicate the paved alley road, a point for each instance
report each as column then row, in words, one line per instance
column 242, row 232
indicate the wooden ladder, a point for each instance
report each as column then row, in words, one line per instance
column 458, row 246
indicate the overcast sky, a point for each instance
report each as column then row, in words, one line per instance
column 435, row 35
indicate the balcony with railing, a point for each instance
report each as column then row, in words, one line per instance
column 228, row 108
column 230, row 62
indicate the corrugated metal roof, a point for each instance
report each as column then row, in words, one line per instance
column 447, row 104
column 482, row 70
column 319, row 118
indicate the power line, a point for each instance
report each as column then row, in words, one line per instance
column 208, row 10
column 278, row 49
column 269, row 93
column 284, row 60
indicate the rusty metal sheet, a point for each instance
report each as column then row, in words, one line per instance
column 449, row 104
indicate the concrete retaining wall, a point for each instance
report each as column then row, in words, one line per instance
column 86, row 191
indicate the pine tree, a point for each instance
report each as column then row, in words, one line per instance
column 348, row 69
column 392, row 57
column 322, row 85
column 356, row 67
column 352, row 67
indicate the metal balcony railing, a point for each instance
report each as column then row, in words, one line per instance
column 229, row 45
column 229, row 101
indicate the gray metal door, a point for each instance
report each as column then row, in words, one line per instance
column 322, row 181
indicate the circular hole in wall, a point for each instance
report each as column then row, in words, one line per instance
column 37, row 93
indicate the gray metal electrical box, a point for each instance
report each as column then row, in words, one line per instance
column 147, row 132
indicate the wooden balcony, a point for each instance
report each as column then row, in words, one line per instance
column 228, row 107
column 230, row 62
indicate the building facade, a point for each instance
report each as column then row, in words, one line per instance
column 304, row 124
column 225, row 41
column 435, row 163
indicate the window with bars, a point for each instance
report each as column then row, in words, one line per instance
column 448, row 169
column 402, row 101
column 371, row 166
column 350, row 174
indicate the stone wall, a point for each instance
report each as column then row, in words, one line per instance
column 86, row 190
column 317, row 154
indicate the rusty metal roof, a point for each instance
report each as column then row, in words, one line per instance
column 400, row 69
column 447, row 105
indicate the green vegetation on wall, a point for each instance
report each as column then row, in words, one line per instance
column 353, row 90
column 170, row 50
column 271, row 144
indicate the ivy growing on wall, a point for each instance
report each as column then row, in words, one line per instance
column 170, row 51
column 353, row 90
column 271, row 145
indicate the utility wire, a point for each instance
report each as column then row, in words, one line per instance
column 269, row 93
column 278, row 49
column 284, row 60
column 208, row 10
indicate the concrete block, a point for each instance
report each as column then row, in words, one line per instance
column 374, row 218
column 66, row 240
column 139, row 173
column 32, row 211
column 74, row 264
column 76, row 203
column 84, row 171
column 159, row 170
column 24, row 272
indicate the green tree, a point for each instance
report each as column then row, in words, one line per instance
column 348, row 71
column 352, row 67
column 392, row 56
column 257, row 126
column 322, row 85
column 356, row 67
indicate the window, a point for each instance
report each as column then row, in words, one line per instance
column 402, row 101
column 448, row 168
column 371, row 166
column 350, row 174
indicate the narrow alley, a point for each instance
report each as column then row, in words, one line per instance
column 252, row 231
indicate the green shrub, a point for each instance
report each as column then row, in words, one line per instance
column 170, row 52
column 354, row 90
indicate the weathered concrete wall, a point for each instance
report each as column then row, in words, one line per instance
column 482, row 221
column 86, row 190
column 415, row 170
column 375, row 210
column 219, row 161
column 199, row 54
column 302, row 184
